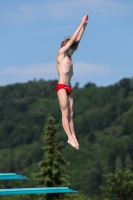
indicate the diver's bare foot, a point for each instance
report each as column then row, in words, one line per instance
column 73, row 143
column 76, row 141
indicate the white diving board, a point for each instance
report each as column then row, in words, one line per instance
column 36, row 190
column 11, row 176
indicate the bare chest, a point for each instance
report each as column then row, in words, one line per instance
column 68, row 61
column 65, row 66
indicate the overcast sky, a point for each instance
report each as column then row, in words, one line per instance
column 31, row 33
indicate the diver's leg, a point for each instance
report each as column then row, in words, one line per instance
column 70, row 97
column 64, row 105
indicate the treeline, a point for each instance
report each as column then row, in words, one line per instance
column 103, row 119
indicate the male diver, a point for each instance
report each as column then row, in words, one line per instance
column 63, row 88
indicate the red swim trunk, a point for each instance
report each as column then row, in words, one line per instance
column 68, row 88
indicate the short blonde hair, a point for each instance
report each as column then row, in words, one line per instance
column 73, row 46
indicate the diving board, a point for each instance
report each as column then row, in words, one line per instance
column 11, row 176
column 36, row 190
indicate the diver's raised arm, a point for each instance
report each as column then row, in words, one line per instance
column 74, row 36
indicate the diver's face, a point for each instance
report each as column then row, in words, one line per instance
column 70, row 51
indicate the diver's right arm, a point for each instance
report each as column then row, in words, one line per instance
column 74, row 36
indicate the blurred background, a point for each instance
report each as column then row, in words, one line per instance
column 30, row 37
column 31, row 33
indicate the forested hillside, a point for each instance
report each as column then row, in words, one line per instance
column 103, row 118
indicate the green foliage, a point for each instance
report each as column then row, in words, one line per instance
column 20, row 197
column 103, row 124
column 52, row 173
column 119, row 185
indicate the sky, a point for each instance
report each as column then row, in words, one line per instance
column 31, row 33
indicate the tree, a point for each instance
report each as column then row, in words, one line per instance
column 128, row 161
column 76, row 86
column 118, row 163
column 52, row 173
column 88, row 85
column 119, row 185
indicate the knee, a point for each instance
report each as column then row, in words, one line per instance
column 71, row 114
column 65, row 113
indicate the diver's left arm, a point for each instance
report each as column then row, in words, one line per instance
column 82, row 31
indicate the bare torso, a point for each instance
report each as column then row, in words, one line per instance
column 64, row 68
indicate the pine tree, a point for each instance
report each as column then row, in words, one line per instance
column 52, row 172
